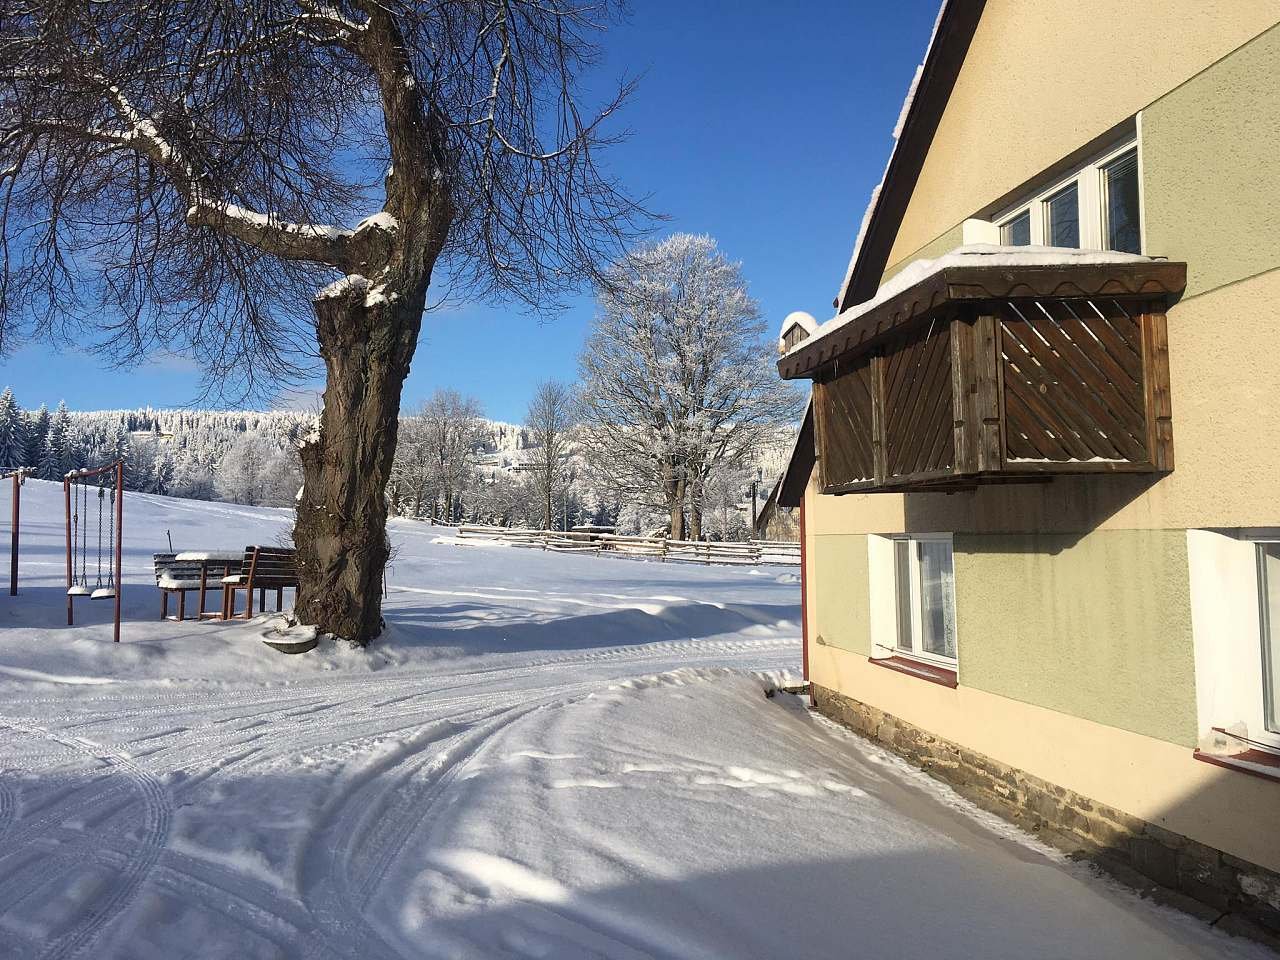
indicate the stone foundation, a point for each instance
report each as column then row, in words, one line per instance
column 1238, row 896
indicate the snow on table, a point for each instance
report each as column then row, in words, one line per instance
column 547, row 756
column 211, row 556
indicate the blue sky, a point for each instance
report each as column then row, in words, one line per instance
column 764, row 124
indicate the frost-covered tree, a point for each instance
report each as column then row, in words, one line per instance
column 451, row 432
column 549, row 420
column 162, row 474
column 242, row 474
column 37, row 431
column 677, row 376
column 13, row 441
column 176, row 175
column 55, row 457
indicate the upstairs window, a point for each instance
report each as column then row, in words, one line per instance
column 1120, row 203
column 1096, row 207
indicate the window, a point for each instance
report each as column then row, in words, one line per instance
column 1062, row 217
column 1235, row 622
column 1097, row 207
column 1269, row 620
column 1017, row 232
column 1120, row 203
column 924, row 584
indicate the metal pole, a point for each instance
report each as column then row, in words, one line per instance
column 13, row 546
column 119, row 539
column 66, row 498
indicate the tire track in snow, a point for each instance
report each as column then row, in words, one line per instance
column 157, row 815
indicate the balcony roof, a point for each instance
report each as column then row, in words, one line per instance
column 973, row 274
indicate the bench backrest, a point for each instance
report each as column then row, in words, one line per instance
column 169, row 568
column 270, row 566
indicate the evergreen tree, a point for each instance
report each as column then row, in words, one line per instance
column 37, row 431
column 60, row 446
column 162, row 474
column 13, row 446
column 49, row 465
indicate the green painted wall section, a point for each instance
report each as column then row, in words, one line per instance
column 1211, row 166
column 1097, row 627
column 934, row 248
column 841, row 592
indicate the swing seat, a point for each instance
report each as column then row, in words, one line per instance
column 77, row 591
column 103, row 593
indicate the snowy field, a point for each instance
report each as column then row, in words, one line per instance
column 547, row 756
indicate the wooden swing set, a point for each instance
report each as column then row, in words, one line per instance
column 18, row 477
column 78, row 489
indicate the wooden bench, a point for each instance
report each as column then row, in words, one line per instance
column 175, row 576
column 262, row 569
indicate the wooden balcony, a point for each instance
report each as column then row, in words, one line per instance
column 982, row 374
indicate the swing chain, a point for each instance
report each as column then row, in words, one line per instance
column 101, row 495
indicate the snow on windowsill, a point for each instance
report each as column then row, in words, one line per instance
column 973, row 255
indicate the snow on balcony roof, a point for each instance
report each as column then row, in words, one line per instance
column 973, row 255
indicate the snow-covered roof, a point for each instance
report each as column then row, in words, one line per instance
column 898, row 127
column 796, row 318
column 973, row 255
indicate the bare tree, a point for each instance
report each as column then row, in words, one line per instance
column 452, row 431
column 549, row 420
column 172, row 174
column 677, row 377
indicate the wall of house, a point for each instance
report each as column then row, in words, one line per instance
column 1077, row 660
column 1143, row 776
column 1210, row 154
column 1010, row 116
column 1216, row 138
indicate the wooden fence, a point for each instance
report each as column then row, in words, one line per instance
column 747, row 552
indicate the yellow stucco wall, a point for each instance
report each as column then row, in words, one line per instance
column 1013, row 113
column 1149, row 778
column 1097, row 626
column 1211, row 168
column 934, row 248
column 839, row 580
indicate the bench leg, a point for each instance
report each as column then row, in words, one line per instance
column 226, row 605
column 248, row 603
column 164, row 604
column 262, row 599
column 279, row 599
column 182, row 605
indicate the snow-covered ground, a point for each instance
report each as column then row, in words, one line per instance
column 548, row 756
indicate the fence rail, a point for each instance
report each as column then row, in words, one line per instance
column 745, row 553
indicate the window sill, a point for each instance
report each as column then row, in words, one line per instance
column 918, row 668
column 1256, row 763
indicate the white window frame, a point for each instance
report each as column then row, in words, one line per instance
column 913, row 649
column 1227, row 627
column 1090, row 194
column 1265, row 626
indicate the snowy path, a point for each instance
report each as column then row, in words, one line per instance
column 548, row 757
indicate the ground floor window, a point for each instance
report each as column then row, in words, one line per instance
column 924, row 587
column 1269, row 634
column 1235, row 616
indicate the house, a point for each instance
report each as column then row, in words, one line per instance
column 1040, row 500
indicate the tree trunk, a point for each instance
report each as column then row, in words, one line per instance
column 674, row 487
column 340, row 533
column 695, row 508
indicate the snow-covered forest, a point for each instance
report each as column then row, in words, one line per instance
column 250, row 457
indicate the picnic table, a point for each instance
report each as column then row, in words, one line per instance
column 223, row 561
